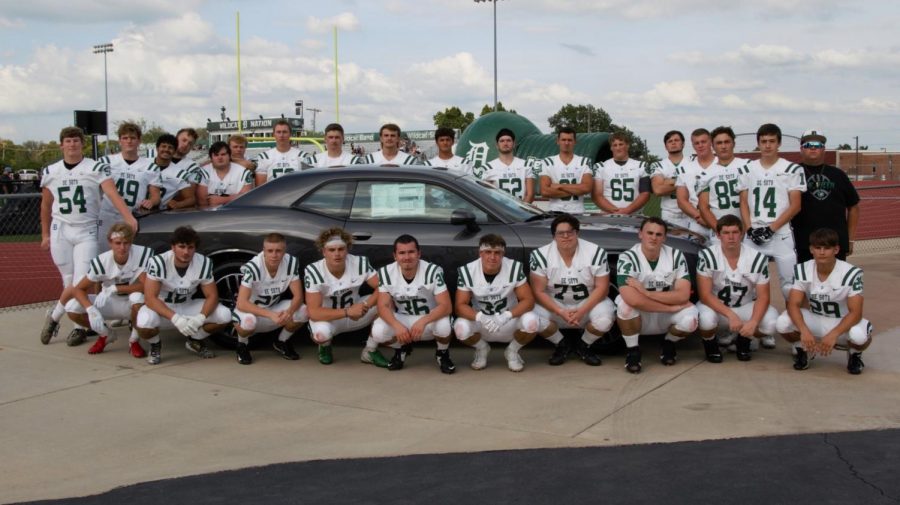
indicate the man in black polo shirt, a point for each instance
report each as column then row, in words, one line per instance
column 830, row 200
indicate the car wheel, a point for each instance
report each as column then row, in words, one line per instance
column 227, row 273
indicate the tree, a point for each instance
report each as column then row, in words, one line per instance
column 487, row 109
column 453, row 117
column 587, row 118
column 150, row 131
column 848, row 147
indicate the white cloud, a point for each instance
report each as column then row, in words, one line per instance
column 98, row 11
column 10, row 24
column 346, row 21
column 724, row 83
column 766, row 54
column 663, row 95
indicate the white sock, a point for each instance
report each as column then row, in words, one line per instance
column 631, row 340
column 371, row 344
column 514, row 345
column 673, row 338
column 284, row 335
column 443, row 347
column 243, row 340
column 153, row 340
column 134, row 336
column 481, row 344
column 556, row 338
column 58, row 311
column 589, row 338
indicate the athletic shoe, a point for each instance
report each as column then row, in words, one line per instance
column 199, row 348
column 155, row 353
column 668, row 355
column 480, row 359
column 136, row 350
column 801, row 360
column 742, row 348
column 855, row 363
column 444, row 361
column 711, row 348
column 50, row 328
column 768, row 342
column 285, row 349
column 325, row 356
column 399, row 358
column 374, row 358
column 560, row 354
column 583, row 350
column 76, row 337
column 98, row 346
column 243, row 354
column 513, row 360
column 633, row 360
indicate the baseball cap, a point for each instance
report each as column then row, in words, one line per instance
column 7, row 170
column 813, row 135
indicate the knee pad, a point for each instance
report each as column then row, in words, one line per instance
column 75, row 307
column 321, row 331
column 136, row 298
column 686, row 319
column 381, row 331
column 302, row 315
column 221, row 315
column 708, row 318
column 247, row 321
column 784, row 324
column 463, row 328
column 768, row 324
column 147, row 319
column 624, row 311
column 441, row 328
column 860, row 333
column 529, row 322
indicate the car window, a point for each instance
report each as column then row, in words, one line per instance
column 331, row 199
column 409, row 201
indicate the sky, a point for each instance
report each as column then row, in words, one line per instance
column 653, row 65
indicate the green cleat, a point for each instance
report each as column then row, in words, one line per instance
column 375, row 358
column 325, row 356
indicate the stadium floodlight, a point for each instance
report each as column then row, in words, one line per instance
column 104, row 49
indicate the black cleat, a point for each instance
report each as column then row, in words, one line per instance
column 711, row 348
column 584, row 351
column 560, row 354
column 743, row 349
column 855, row 363
column 399, row 358
column 633, row 360
column 50, row 328
column 243, row 354
column 668, row 355
column 77, row 336
column 801, row 360
column 285, row 349
column 444, row 361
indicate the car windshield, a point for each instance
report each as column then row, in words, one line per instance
column 516, row 210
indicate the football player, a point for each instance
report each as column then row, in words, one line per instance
column 281, row 159
column 390, row 154
column 221, row 181
column 334, row 155
column 444, row 138
column 689, row 175
column 665, row 175
column 566, row 177
column 508, row 172
column 621, row 184
column 718, row 191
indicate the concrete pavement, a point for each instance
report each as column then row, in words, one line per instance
column 75, row 424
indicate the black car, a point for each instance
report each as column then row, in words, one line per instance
column 446, row 212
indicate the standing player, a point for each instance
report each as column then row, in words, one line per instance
column 238, row 145
column 621, row 184
column 665, row 175
column 413, row 305
column 508, row 172
column 172, row 279
column 259, row 308
column 654, row 294
column 771, row 188
column 570, row 281
column 335, row 287
column 733, row 285
column 136, row 178
column 176, row 184
column 493, row 304
column 70, row 208
column 718, row 188
column 566, row 177
column 834, row 319
column 334, row 155
column 689, row 177
column 120, row 273
column 222, row 181
column 444, row 138
column 281, row 159
column 390, row 154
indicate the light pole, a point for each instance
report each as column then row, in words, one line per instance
column 495, row 48
column 104, row 49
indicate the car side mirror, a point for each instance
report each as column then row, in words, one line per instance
column 466, row 218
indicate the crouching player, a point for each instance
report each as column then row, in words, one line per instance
column 334, row 287
column 493, row 304
column 172, row 278
column 654, row 294
column 120, row 273
column 413, row 305
column 570, row 281
column 259, row 308
column 733, row 283
column 834, row 319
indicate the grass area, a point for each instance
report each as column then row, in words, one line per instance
column 6, row 239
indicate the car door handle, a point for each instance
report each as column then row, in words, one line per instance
column 362, row 236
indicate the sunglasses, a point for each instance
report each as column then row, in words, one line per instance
column 813, row 145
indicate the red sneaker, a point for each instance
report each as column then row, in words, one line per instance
column 98, row 346
column 136, row 350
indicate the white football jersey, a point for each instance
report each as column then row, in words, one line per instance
column 512, row 178
column 266, row 289
column 571, row 173
column 274, row 163
column 621, row 183
column 402, row 158
column 132, row 180
column 829, row 297
column 172, row 180
column 188, row 167
column 176, row 288
column 722, row 182
column 106, row 271
column 768, row 189
column 76, row 192
column 417, row 297
column 455, row 164
column 339, row 292
column 735, row 287
column 689, row 174
column 499, row 294
column 570, row 285
column 322, row 160
column 670, row 267
column 669, row 204
column 230, row 184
